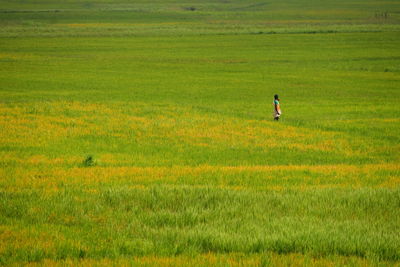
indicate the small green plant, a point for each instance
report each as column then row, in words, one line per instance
column 190, row 8
column 89, row 161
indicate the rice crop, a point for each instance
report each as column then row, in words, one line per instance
column 142, row 133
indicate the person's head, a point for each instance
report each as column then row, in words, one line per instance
column 276, row 97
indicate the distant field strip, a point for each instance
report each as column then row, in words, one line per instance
column 188, row 28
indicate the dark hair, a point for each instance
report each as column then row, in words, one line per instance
column 276, row 96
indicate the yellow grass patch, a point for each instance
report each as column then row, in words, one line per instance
column 341, row 168
column 210, row 259
column 44, row 124
column 14, row 239
column 312, row 177
column 391, row 182
column 16, row 56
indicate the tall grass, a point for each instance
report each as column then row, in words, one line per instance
column 119, row 221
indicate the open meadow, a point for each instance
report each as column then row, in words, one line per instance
column 141, row 133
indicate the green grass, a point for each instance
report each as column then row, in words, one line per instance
column 142, row 133
column 166, row 221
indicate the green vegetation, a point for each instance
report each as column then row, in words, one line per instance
column 142, row 133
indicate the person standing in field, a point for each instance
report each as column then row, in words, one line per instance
column 277, row 108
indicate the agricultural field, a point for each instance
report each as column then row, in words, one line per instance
column 141, row 133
